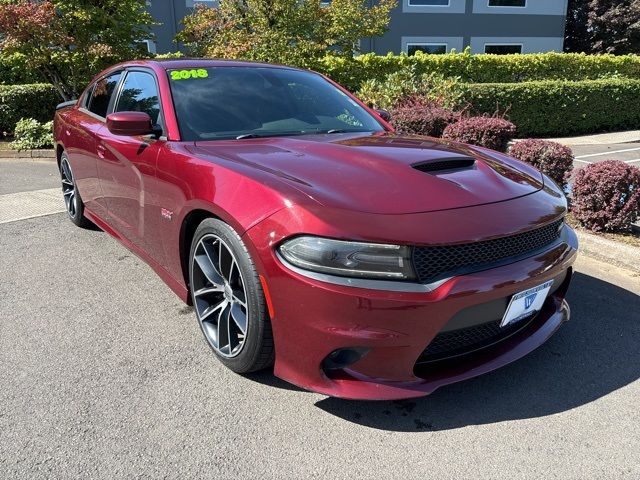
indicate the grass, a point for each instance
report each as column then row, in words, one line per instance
column 4, row 145
column 623, row 237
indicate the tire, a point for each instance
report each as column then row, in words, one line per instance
column 72, row 199
column 227, row 296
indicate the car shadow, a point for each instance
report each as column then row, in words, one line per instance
column 594, row 354
column 266, row 377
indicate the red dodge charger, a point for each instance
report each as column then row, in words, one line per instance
column 309, row 236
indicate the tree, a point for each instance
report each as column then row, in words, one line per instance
column 615, row 25
column 577, row 37
column 69, row 41
column 295, row 32
column 603, row 26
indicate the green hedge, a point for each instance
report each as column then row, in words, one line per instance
column 36, row 101
column 484, row 68
column 14, row 71
column 557, row 108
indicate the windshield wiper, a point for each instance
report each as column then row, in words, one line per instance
column 294, row 133
column 342, row 130
column 274, row 134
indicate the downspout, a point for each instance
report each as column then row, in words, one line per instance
column 174, row 24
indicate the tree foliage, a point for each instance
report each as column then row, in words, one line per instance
column 603, row 26
column 69, row 41
column 295, row 32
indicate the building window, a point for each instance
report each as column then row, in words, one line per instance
column 428, row 3
column 502, row 49
column 507, row 3
column 148, row 45
column 431, row 48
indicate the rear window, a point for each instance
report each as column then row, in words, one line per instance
column 98, row 103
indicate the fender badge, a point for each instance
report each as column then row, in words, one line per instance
column 166, row 214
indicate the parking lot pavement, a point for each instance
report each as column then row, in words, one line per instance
column 104, row 374
column 627, row 152
column 27, row 175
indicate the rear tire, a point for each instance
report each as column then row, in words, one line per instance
column 228, row 298
column 72, row 198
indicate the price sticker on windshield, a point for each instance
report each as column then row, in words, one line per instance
column 188, row 74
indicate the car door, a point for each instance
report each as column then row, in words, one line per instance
column 127, row 164
column 80, row 138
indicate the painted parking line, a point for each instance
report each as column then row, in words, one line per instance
column 588, row 162
column 23, row 205
column 608, row 153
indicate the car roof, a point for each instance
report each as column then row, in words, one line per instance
column 188, row 63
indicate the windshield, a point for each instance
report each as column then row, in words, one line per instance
column 246, row 102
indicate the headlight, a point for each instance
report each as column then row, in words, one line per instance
column 349, row 259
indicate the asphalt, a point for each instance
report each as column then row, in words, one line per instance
column 104, row 374
column 627, row 152
column 25, row 175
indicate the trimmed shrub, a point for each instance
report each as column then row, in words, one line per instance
column 352, row 73
column 422, row 117
column 30, row 134
column 36, row 101
column 404, row 84
column 551, row 158
column 488, row 132
column 606, row 195
column 554, row 108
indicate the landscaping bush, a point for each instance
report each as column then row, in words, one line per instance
column 488, row 132
column 30, row 134
column 399, row 86
column 421, row 116
column 551, row 158
column 14, row 70
column 36, row 101
column 352, row 73
column 555, row 108
column 606, row 195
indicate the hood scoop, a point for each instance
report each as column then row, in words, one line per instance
column 445, row 165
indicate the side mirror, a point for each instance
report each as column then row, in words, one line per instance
column 130, row 124
column 384, row 114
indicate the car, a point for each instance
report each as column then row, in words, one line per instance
column 311, row 237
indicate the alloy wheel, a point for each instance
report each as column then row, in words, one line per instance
column 219, row 296
column 68, row 188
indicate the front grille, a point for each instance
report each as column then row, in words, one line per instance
column 467, row 340
column 432, row 263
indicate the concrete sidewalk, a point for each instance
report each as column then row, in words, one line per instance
column 600, row 139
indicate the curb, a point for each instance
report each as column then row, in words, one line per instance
column 48, row 154
column 609, row 251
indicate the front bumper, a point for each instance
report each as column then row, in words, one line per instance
column 311, row 319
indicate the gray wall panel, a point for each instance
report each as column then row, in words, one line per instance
column 466, row 26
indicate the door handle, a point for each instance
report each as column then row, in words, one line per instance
column 101, row 151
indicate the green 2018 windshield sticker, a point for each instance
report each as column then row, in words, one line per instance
column 187, row 74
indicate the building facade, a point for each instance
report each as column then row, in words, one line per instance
column 433, row 26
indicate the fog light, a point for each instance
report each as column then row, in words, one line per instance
column 343, row 357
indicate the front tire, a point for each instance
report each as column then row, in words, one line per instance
column 228, row 298
column 72, row 199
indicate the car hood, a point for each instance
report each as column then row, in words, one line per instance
column 385, row 173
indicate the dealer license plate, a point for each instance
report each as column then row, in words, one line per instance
column 525, row 304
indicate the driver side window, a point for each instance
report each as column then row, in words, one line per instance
column 140, row 94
